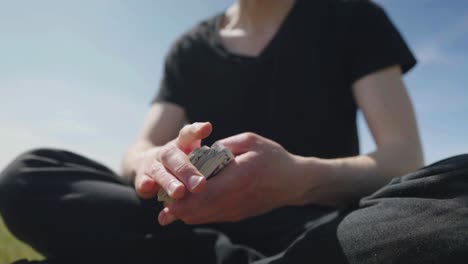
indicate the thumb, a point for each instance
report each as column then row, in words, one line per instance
column 240, row 143
column 190, row 136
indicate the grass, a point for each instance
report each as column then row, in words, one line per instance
column 11, row 249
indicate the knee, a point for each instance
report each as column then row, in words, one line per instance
column 20, row 183
column 446, row 177
column 17, row 175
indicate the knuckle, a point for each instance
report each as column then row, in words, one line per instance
column 182, row 131
column 183, row 168
column 250, row 138
column 166, row 154
column 166, row 183
column 156, row 171
column 187, row 129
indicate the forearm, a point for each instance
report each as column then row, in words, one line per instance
column 162, row 124
column 134, row 156
column 339, row 182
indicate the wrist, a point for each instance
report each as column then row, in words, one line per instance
column 317, row 181
column 130, row 165
column 133, row 160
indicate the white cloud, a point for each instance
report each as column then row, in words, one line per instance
column 17, row 137
column 434, row 51
column 59, row 114
column 67, row 126
column 442, row 143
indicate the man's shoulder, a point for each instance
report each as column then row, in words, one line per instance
column 340, row 12
column 195, row 40
column 343, row 15
column 355, row 7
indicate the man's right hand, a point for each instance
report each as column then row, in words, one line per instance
column 168, row 166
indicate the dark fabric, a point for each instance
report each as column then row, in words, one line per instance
column 298, row 90
column 418, row 218
column 71, row 208
column 372, row 41
column 74, row 210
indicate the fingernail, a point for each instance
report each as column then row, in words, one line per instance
column 161, row 219
column 172, row 187
column 165, row 218
column 194, row 181
column 198, row 125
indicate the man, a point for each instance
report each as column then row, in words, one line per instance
column 245, row 100
column 279, row 82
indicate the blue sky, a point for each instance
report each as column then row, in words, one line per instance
column 80, row 74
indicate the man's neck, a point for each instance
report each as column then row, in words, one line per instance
column 256, row 14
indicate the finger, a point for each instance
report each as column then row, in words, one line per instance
column 215, row 213
column 190, row 207
column 190, row 135
column 145, row 186
column 165, row 217
column 204, row 206
column 174, row 188
column 196, row 209
column 179, row 165
column 240, row 143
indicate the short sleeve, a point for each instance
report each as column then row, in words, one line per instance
column 373, row 42
column 172, row 86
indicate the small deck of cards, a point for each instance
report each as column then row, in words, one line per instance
column 208, row 160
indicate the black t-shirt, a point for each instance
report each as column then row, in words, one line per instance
column 298, row 90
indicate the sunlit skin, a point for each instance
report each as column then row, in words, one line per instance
column 264, row 175
column 160, row 165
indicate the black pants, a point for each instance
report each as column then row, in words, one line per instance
column 74, row 210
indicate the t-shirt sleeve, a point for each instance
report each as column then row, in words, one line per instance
column 373, row 42
column 172, row 87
